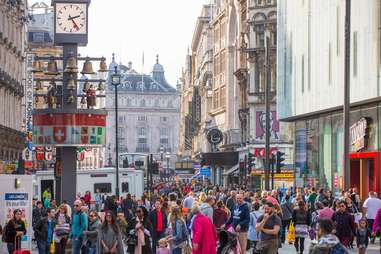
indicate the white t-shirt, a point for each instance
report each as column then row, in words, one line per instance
column 372, row 205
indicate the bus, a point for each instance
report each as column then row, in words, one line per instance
column 133, row 160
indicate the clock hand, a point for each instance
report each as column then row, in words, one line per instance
column 71, row 18
column 75, row 25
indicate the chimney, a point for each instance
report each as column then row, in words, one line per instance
column 130, row 66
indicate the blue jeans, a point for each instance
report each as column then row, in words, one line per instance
column 176, row 251
column 92, row 250
column 76, row 245
column 10, row 247
column 43, row 247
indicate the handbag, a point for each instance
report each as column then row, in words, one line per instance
column 187, row 249
column 291, row 233
column 301, row 230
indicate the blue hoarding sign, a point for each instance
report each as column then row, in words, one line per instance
column 206, row 171
column 16, row 196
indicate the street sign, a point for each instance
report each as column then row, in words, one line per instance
column 206, row 171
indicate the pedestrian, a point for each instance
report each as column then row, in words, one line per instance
column 47, row 200
column 370, row 207
column 109, row 236
column 141, row 228
column 326, row 211
column 311, row 200
column 344, row 223
column 163, row 247
column 159, row 223
column 287, row 209
column 204, row 240
column 43, row 231
column 239, row 220
column 179, row 231
column 87, row 198
column 207, row 207
column 92, row 232
column 268, row 225
column 220, row 214
column 253, row 234
column 79, row 224
column 302, row 219
column 37, row 213
column 62, row 229
column 327, row 240
column 13, row 231
column 362, row 236
column 123, row 225
column 230, row 201
column 128, row 207
column 98, row 200
column 188, row 201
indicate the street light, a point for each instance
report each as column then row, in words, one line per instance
column 167, row 157
column 115, row 80
column 161, row 160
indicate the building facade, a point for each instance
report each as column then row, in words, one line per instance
column 148, row 113
column 223, row 86
column 13, row 20
column 311, row 46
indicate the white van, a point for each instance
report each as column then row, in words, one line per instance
column 130, row 181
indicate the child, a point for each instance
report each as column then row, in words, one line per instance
column 163, row 249
column 362, row 236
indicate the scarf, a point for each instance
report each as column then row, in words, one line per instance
column 140, row 234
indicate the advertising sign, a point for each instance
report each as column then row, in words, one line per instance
column 358, row 134
column 17, row 195
column 69, row 130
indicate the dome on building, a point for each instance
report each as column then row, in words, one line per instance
column 157, row 67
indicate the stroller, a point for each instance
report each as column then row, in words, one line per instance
column 228, row 243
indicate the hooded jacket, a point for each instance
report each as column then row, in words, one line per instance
column 240, row 216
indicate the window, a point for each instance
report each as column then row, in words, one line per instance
column 142, row 131
column 163, row 119
column 164, row 141
column 143, row 103
column 355, row 53
column 125, row 187
column 260, row 35
column 259, row 2
column 142, row 140
column 164, row 132
column 223, row 97
column 103, row 187
column 142, row 118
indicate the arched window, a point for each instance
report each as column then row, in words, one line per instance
column 143, row 103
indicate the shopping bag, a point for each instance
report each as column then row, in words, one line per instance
column 53, row 247
column 291, row 233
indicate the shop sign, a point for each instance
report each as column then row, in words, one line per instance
column 214, row 136
column 358, row 135
column 261, row 152
column 336, row 181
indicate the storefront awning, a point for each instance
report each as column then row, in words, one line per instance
column 231, row 170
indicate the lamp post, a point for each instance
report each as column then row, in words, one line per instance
column 115, row 79
column 167, row 157
column 161, row 159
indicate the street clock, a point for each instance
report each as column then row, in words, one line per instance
column 71, row 21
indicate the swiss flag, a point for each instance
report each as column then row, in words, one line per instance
column 59, row 134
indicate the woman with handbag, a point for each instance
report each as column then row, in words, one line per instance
column 179, row 231
column 109, row 236
column 139, row 229
column 62, row 229
column 302, row 219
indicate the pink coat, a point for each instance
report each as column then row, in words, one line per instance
column 204, row 234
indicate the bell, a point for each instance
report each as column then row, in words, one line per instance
column 83, row 100
column 52, row 67
column 86, row 86
column 71, row 98
column 71, row 64
column 101, row 87
column 39, row 85
column 71, row 84
column 103, row 66
column 37, row 66
column 87, row 67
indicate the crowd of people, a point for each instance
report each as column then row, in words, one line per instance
column 180, row 219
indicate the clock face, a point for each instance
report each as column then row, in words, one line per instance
column 71, row 18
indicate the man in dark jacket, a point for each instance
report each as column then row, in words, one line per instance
column 159, row 224
column 240, row 220
column 37, row 213
column 43, row 232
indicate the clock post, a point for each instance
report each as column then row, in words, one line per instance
column 64, row 122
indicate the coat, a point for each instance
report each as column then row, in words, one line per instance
column 41, row 229
column 204, row 234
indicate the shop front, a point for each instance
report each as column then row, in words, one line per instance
column 319, row 149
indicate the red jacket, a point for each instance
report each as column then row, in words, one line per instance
column 204, row 234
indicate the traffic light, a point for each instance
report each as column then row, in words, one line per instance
column 279, row 161
column 125, row 163
column 251, row 161
column 155, row 168
column 202, row 160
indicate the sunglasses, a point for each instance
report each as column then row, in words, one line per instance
column 139, row 211
column 75, row 205
column 92, row 215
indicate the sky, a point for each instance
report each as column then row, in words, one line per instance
column 130, row 27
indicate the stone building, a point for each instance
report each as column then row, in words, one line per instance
column 13, row 20
column 148, row 113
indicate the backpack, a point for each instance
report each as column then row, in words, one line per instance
column 338, row 249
